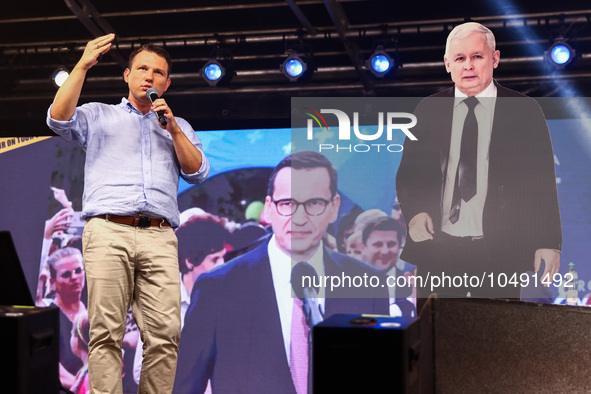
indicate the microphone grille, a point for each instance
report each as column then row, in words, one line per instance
column 150, row 92
column 300, row 271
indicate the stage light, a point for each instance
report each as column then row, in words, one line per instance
column 380, row 63
column 213, row 72
column 294, row 67
column 560, row 54
column 59, row 76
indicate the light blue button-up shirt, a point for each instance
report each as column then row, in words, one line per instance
column 131, row 166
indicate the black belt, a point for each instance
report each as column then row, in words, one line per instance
column 136, row 220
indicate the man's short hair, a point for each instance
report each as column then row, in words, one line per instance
column 59, row 254
column 383, row 224
column 158, row 50
column 465, row 29
column 305, row 160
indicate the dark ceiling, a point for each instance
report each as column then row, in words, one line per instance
column 338, row 34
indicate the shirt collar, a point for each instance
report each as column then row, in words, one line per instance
column 483, row 97
column 317, row 260
column 276, row 254
column 282, row 263
column 129, row 107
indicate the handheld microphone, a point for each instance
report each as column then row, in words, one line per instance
column 152, row 94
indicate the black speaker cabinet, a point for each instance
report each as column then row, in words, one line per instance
column 498, row 346
column 359, row 354
column 29, row 349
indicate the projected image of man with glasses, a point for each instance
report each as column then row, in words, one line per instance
column 299, row 230
column 314, row 206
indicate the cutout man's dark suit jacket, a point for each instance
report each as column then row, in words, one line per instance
column 521, row 208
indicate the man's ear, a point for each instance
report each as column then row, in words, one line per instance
column 496, row 58
column 168, row 82
column 447, row 63
column 126, row 75
column 336, row 204
column 267, row 206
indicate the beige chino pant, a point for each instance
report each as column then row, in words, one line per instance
column 125, row 266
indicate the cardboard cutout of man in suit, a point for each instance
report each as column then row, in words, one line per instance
column 512, row 222
column 237, row 329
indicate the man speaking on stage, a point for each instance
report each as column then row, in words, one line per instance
column 135, row 152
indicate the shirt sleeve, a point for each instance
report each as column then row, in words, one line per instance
column 201, row 174
column 75, row 129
